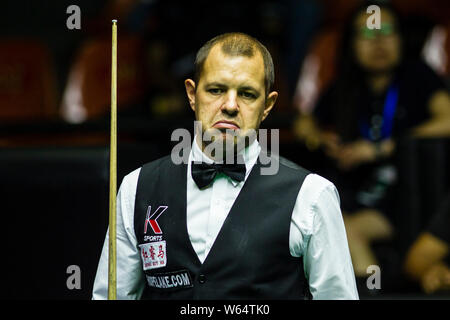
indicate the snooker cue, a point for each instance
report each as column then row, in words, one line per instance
column 112, row 274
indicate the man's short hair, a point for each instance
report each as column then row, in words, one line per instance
column 237, row 44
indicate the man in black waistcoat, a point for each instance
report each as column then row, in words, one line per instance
column 210, row 228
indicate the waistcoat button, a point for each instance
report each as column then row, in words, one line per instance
column 202, row 278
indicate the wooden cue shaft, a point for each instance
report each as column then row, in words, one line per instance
column 112, row 273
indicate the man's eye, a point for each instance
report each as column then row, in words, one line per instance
column 215, row 91
column 248, row 95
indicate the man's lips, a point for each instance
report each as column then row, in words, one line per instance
column 225, row 125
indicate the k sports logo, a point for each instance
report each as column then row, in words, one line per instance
column 152, row 217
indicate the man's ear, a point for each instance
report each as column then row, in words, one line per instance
column 270, row 102
column 190, row 91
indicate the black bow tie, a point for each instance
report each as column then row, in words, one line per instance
column 204, row 173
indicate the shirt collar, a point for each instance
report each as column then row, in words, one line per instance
column 250, row 155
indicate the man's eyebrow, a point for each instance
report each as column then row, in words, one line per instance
column 215, row 84
column 248, row 88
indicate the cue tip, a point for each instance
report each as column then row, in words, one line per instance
column 114, row 21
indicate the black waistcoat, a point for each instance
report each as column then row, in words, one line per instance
column 250, row 257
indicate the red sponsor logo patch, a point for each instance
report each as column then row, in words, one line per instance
column 151, row 219
column 153, row 255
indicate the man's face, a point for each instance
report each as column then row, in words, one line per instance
column 230, row 94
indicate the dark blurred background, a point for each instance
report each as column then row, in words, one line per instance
column 55, row 99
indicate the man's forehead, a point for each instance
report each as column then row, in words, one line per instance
column 219, row 64
column 217, row 52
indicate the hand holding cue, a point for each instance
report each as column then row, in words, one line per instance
column 112, row 274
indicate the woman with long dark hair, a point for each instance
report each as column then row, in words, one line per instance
column 379, row 94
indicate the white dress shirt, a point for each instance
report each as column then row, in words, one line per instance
column 317, row 231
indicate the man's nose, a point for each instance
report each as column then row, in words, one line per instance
column 230, row 104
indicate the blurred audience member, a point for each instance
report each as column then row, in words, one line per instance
column 378, row 96
column 427, row 261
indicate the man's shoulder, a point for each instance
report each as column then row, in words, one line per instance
column 313, row 183
column 292, row 165
column 157, row 162
column 162, row 168
column 132, row 177
column 316, row 186
column 312, row 177
column 288, row 167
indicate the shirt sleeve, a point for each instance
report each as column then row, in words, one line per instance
column 130, row 277
column 326, row 256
